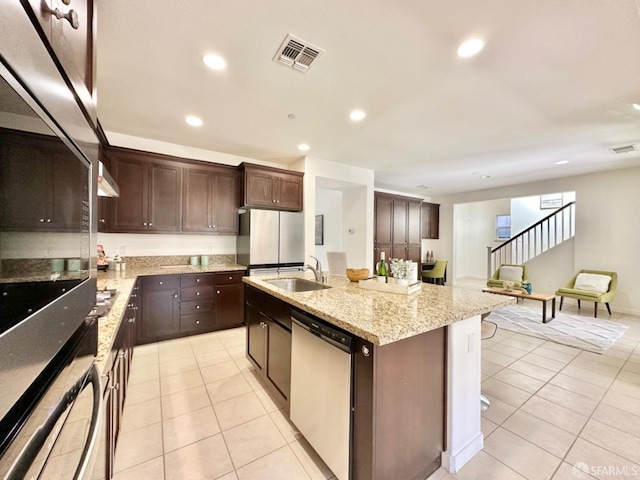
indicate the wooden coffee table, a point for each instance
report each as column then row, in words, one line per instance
column 541, row 297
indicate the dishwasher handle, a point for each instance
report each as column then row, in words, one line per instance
column 320, row 329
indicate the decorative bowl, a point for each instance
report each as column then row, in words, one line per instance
column 356, row 274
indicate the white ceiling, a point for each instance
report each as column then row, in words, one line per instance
column 554, row 82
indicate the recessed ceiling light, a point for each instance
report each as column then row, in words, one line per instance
column 562, row 162
column 193, row 121
column 470, row 47
column 636, row 106
column 291, row 116
column 304, row 147
column 357, row 115
column 214, row 62
column 486, row 176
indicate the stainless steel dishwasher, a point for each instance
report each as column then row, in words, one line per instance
column 321, row 374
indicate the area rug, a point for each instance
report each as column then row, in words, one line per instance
column 592, row 334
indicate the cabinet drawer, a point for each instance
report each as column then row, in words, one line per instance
column 198, row 293
column 194, row 280
column 225, row 278
column 195, row 323
column 161, row 282
column 192, row 308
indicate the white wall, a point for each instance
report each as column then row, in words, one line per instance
column 607, row 226
column 474, row 231
column 329, row 205
column 355, row 227
column 359, row 248
column 525, row 211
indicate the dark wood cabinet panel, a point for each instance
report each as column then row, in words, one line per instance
column 229, row 306
column 165, row 198
column 269, row 338
column 430, row 220
column 211, row 201
column 150, row 194
column 265, row 187
column 160, row 309
column 397, row 227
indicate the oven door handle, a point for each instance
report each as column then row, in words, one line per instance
column 89, row 454
column 33, row 447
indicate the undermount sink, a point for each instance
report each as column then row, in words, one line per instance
column 297, row 284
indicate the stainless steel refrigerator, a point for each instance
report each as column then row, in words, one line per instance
column 271, row 241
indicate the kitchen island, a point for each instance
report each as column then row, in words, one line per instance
column 415, row 372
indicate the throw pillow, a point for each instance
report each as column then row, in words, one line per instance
column 511, row 274
column 592, row 282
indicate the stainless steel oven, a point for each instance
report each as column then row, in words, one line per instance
column 50, row 398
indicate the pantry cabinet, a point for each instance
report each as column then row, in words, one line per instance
column 397, row 227
column 430, row 220
column 272, row 188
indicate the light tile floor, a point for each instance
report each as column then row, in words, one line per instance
column 196, row 411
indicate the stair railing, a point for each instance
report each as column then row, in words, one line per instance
column 535, row 240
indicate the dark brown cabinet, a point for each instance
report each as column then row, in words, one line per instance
column 397, row 227
column 160, row 308
column 177, row 305
column 150, row 194
column 430, row 220
column 272, row 188
column 37, row 163
column 211, row 200
column 116, row 382
column 67, row 26
column 269, row 338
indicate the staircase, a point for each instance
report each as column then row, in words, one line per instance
column 535, row 240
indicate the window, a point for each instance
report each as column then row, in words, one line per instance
column 503, row 227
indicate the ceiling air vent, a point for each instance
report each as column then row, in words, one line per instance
column 297, row 53
column 623, row 149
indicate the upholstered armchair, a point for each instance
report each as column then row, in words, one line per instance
column 508, row 272
column 436, row 274
column 591, row 286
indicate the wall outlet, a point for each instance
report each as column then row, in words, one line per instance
column 48, row 252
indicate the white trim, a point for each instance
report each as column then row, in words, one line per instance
column 457, row 461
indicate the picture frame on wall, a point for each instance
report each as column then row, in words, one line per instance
column 319, row 229
column 553, row 200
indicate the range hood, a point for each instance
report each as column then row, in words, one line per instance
column 107, row 187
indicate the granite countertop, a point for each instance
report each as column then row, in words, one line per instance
column 381, row 317
column 123, row 282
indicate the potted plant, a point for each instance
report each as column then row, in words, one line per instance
column 402, row 270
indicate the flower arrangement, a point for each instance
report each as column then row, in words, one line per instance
column 401, row 269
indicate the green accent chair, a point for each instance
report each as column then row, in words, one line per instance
column 590, row 296
column 495, row 281
column 436, row 274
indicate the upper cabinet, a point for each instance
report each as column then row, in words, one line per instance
column 397, row 227
column 150, row 193
column 272, row 188
column 210, row 200
column 68, row 26
column 163, row 194
column 430, row 220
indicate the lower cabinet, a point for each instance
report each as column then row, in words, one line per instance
column 269, row 338
column 178, row 305
column 116, row 377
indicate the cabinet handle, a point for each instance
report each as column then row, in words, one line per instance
column 197, row 322
column 144, row 223
column 71, row 16
column 42, row 220
column 218, row 291
column 48, row 220
column 150, row 224
column 274, row 200
column 230, row 278
column 160, row 283
column 131, row 320
column 197, row 279
column 175, row 296
column 116, row 386
column 197, row 293
column 197, row 307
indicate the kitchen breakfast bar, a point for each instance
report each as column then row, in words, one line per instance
column 413, row 400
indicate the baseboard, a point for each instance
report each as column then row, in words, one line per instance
column 455, row 462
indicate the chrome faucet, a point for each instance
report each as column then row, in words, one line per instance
column 317, row 270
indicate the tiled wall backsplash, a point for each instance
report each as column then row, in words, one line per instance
column 167, row 260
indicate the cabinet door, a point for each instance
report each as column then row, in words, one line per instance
column 279, row 357
column 165, row 198
column 414, row 222
column 400, row 209
column 413, row 253
column 196, row 210
column 289, row 192
column 399, row 251
column 256, row 336
column 258, row 190
column 383, row 218
column 224, row 203
column 229, row 305
column 434, row 222
column 160, row 315
column 129, row 211
column 66, row 209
